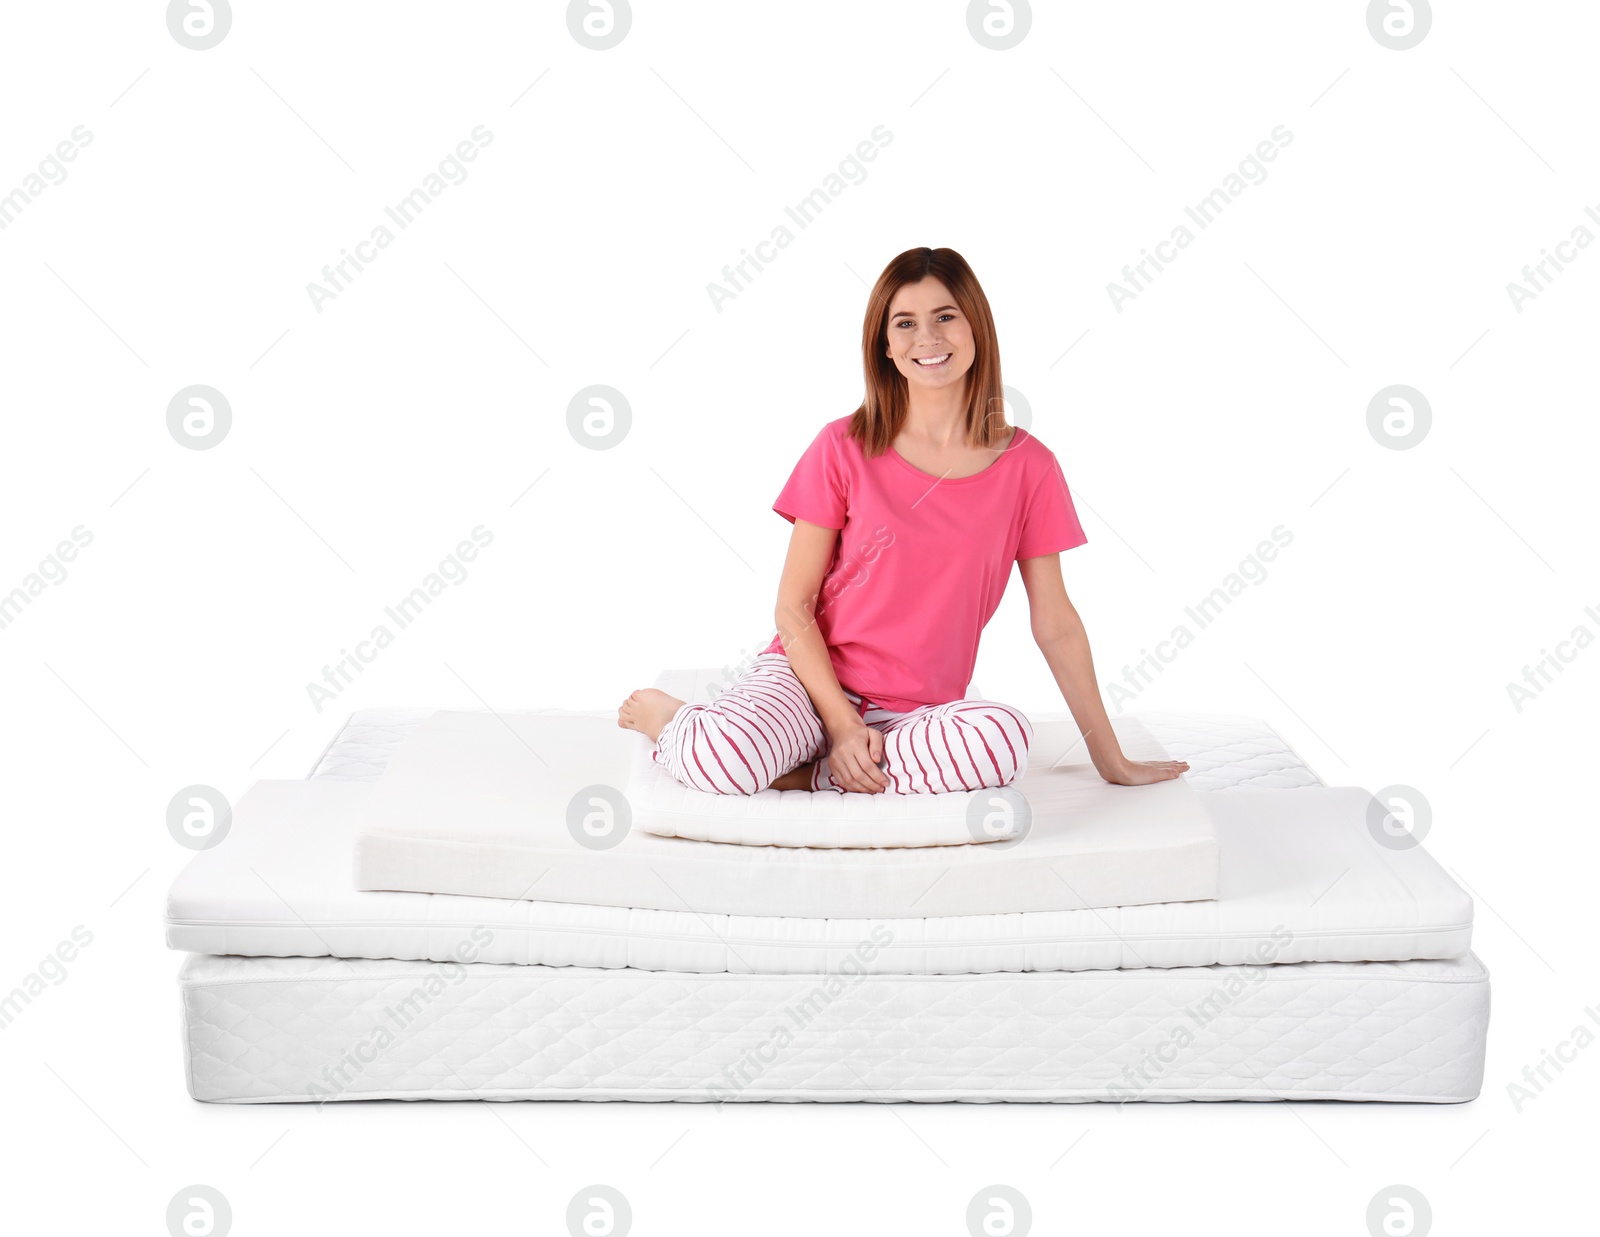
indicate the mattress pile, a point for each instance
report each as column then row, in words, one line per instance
column 516, row 906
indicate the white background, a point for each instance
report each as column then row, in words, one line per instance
column 425, row 399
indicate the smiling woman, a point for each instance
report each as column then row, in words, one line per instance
column 864, row 686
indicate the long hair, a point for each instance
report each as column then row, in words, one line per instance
column 882, row 414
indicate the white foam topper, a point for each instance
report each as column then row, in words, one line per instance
column 479, row 804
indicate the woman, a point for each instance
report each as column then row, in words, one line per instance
column 907, row 516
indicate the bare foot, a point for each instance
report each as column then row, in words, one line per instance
column 796, row 779
column 648, row 711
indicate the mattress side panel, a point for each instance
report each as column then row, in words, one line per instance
column 937, row 888
column 309, row 1031
column 560, row 934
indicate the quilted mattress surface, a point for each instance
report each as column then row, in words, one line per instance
column 484, row 804
column 261, row 1030
column 1319, row 890
column 1225, row 751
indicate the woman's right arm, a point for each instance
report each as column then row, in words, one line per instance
column 856, row 747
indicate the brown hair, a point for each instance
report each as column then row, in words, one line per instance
column 882, row 414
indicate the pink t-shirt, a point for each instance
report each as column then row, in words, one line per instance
column 921, row 564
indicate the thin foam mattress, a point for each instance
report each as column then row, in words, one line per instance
column 494, row 805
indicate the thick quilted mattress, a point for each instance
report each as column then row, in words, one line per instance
column 259, row 1030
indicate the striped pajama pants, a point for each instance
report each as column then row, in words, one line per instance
column 764, row 725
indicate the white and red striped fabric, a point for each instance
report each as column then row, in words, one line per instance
column 764, row 725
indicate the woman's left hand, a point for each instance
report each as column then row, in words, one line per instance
column 1144, row 772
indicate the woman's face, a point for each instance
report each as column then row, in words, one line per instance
column 924, row 324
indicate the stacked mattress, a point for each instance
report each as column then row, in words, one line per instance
column 423, row 918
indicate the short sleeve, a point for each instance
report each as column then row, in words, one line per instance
column 816, row 490
column 1050, row 521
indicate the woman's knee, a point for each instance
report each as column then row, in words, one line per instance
column 711, row 755
column 1013, row 722
column 1006, row 734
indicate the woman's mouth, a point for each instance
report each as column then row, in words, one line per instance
column 933, row 362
